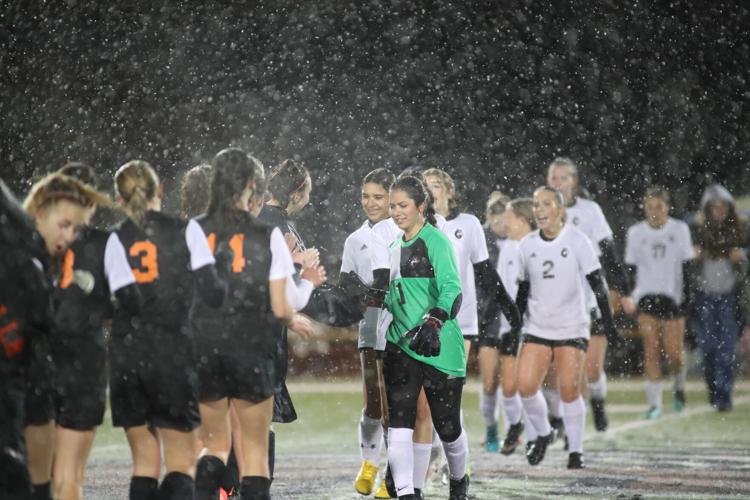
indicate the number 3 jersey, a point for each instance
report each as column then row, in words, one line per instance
column 556, row 271
column 424, row 276
column 658, row 255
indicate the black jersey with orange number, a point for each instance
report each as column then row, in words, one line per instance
column 245, row 252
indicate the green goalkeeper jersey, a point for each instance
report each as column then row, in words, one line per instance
column 424, row 276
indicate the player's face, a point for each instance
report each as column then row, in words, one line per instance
column 718, row 210
column 60, row 223
column 496, row 222
column 301, row 198
column 375, row 202
column 517, row 227
column 404, row 210
column 547, row 211
column 656, row 210
column 439, row 191
column 559, row 178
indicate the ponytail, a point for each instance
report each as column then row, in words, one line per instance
column 285, row 179
column 137, row 184
column 233, row 169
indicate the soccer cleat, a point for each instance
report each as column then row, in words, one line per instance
column 535, row 454
column 600, row 416
column 653, row 413
column 382, row 492
column 558, row 428
column 575, row 461
column 223, row 495
column 418, row 494
column 491, row 441
column 459, row 489
column 365, row 482
column 678, row 402
column 512, row 439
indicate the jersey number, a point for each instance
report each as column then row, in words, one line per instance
column 658, row 250
column 67, row 269
column 548, row 266
column 237, row 244
column 148, row 269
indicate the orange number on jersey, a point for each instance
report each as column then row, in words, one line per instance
column 211, row 238
column 149, row 267
column 67, row 269
column 237, row 245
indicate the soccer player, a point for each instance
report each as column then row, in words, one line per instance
column 60, row 207
column 153, row 381
column 557, row 261
column 425, row 346
column 660, row 249
column 587, row 216
column 356, row 259
column 94, row 269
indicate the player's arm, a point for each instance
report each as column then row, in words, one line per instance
column 596, row 282
column 522, row 296
column 491, row 284
column 614, row 268
column 211, row 288
column 120, row 277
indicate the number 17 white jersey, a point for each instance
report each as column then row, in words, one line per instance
column 556, row 271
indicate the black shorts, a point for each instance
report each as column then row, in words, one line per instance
column 81, row 383
column 245, row 376
column 578, row 343
column 659, row 306
column 154, row 381
column 40, row 390
column 507, row 344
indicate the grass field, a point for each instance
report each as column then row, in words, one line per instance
column 698, row 453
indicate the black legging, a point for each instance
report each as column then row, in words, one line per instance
column 404, row 377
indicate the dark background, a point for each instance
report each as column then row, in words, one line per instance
column 490, row 91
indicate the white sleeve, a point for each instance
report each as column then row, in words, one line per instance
column 282, row 265
column 200, row 253
column 379, row 254
column 523, row 274
column 116, row 265
column 298, row 294
column 586, row 255
column 479, row 252
column 347, row 258
column 630, row 255
column 601, row 229
column 688, row 252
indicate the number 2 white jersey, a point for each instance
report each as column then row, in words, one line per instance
column 659, row 255
column 509, row 270
column 556, row 271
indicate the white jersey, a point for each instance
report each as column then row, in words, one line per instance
column 556, row 271
column 509, row 270
column 357, row 249
column 658, row 255
column 467, row 236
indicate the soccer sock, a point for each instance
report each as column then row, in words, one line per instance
column 271, row 453
column 421, row 463
column 255, row 488
column 401, row 459
column 209, row 477
column 574, row 416
column 513, row 409
column 598, row 389
column 41, row 491
column 143, row 488
column 536, row 413
column 487, row 404
column 531, row 432
column 552, row 397
column 176, row 486
column 370, row 434
column 679, row 379
column 653, row 393
column 457, row 455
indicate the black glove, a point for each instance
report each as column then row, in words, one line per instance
column 353, row 285
column 425, row 337
column 375, row 297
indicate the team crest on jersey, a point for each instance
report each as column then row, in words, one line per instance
column 364, row 247
column 564, row 252
column 576, row 220
column 533, row 254
column 459, row 234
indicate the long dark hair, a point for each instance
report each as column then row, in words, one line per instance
column 232, row 170
column 195, row 191
column 285, row 179
column 416, row 190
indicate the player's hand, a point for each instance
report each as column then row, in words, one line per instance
column 516, row 335
column 301, row 325
column 425, row 337
column 315, row 275
column 375, row 297
column 292, row 243
column 628, row 305
column 307, row 258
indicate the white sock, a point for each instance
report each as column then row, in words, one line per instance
column 552, row 397
column 401, row 459
column 531, row 432
column 513, row 409
column 536, row 413
column 653, row 393
column 456, row 453
column 487, row 403
column 598, row 389
column 421, row 463
column 680, row 378
column 574, row 416
column 370, row 435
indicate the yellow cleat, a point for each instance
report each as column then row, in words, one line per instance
column 365, row 482
column 382, row 491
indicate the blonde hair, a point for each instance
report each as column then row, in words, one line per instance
column 195, row 191
column 496, row 203
column 137, row 184
column 56, row 187
column 446, row 179
column 523, row 208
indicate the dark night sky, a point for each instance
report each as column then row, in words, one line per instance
column 490, row 91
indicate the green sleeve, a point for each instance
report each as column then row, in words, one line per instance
column 448, row 282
